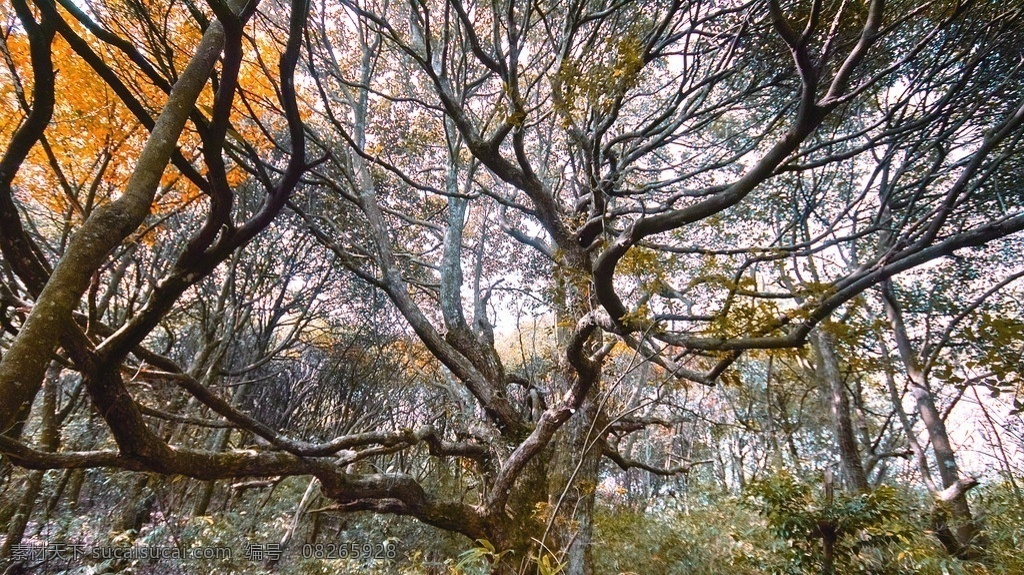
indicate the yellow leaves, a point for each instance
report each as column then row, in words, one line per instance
column 731, row 378
column 516, row 118
column 548, row 566
column 91, row 139
column 169, row 178
column 90, row 147
column 236, row 176
column 598, row 85
column 640, row 261
column 11, row 113
column 816, row 291
column 745, row 316
column 166, row 36
column 639, row 318
column 542, row 511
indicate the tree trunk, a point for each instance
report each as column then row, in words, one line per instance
column 75, row 490
column 138, row 505
column 839, row 405
column 300, row 510
column 19, row 522
column 48, row 439
column 572, row 485
column 218, row 444
column 953, row 513
column 54, row 499
column 960, row 520
column 23, row 366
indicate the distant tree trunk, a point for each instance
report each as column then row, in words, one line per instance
column 828, row 548
column 23, row 512
column 827, row 531
column 73, row 482
column 205, row 496
column 202, row 505
column 1005, row 459
column 300, row 510
column 138, row 505
column 9, row 506
column 54, row 500
column 314, row 528
column 839, row 405
column 75, row 487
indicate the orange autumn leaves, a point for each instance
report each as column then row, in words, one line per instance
column 88, row 151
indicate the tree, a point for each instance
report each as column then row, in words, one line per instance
column 680, row 184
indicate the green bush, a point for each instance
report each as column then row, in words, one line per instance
column 1000, row 507
column 714, row 537
column 878, row 532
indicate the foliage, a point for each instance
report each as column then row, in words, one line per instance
column 1001, row 507
column 870, row 531
column 712, row 537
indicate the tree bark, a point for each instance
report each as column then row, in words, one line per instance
column 953, row 512
column 572, row 485
column 48, row 439
column 839, row 404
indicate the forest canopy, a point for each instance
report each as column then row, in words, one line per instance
column 499, row 286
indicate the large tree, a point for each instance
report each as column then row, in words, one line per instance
column 677, row 183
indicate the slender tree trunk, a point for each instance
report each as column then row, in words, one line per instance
column 205, row 496
column 839, row 405
column 75, row 489
column 827, row 531
column 219, row 444
column 953, row 512
column 314, row 528
column 138, row 505
column 8, row 506
column 54, row 499
column 300, row 510
column 19, row 522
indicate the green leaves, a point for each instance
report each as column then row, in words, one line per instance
column 855, row 527
column 484, row 551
